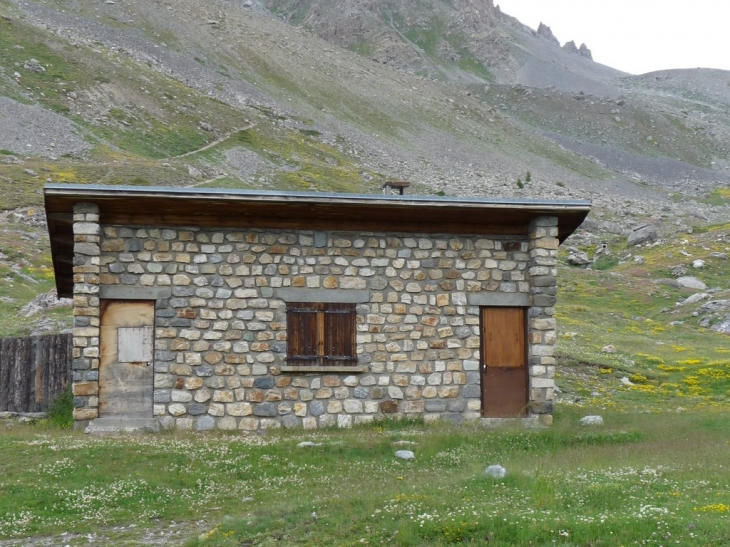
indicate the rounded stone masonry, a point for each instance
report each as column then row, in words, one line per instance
column 221, row 338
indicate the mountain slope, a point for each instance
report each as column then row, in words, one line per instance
column 433, row 37
column 468, row 41
column 155, row 96
column 455, row 97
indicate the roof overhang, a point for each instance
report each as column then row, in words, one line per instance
column 245, row 209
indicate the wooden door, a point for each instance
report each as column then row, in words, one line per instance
column 503, row 362
column 125, row 366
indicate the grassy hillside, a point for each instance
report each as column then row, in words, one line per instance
column 247, row 100
column 663, row 348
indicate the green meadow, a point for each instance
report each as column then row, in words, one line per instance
column 640, row 479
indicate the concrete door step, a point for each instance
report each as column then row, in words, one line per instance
column 120, row 424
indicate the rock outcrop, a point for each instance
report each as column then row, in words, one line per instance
column 643, row 234
column 545, row 31
column 689, row 282
column 570, row 47
column 583, row 50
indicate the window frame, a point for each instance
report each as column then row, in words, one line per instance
column 321, row 335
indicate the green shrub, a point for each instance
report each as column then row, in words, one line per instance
column 605, row 262
column 60, row 413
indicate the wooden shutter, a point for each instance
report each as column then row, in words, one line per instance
column 301, row 321
column 321, row 333
column 339, row 334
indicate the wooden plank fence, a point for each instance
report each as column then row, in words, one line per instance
column 33, row 371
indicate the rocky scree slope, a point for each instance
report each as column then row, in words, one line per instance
column 154, row 96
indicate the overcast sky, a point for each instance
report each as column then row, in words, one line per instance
column 636, row 36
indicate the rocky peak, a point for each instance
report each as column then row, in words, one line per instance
column 583, row 50
column 477, row 12
column 570, row 47
column 545, row 31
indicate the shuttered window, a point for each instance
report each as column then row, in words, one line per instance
column 320, row 333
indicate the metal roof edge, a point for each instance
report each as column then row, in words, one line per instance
column 89, row 191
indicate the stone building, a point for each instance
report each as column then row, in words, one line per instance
column 247, row 310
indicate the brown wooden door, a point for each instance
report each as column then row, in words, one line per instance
column 503, row 362
column 126, row 361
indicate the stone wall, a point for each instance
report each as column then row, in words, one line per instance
column 221, row 324
column 542, row 334
column 86, row 311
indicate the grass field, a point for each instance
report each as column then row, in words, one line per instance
column 641, row 479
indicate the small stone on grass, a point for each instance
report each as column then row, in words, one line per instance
column 495, row 472
column 308, row 444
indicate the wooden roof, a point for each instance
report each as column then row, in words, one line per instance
column 244, row 209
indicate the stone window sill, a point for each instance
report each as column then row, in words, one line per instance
column 322, row 369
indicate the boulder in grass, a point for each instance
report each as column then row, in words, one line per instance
column 405, row 455
column 591, row 420
column 715, row 306
column 578, row 258
column 697, row 297
column 495, row 472
column 689, row 282
column 643, row 234
column 308, row 444
column 723, row 327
